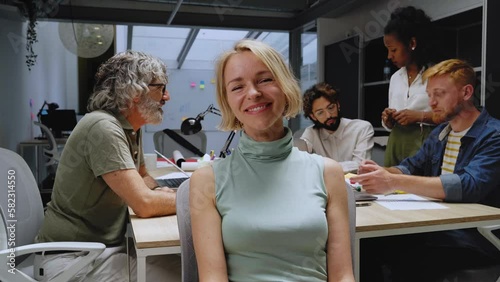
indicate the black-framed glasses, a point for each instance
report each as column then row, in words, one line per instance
column 164, row 88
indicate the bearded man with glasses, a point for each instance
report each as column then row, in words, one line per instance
column 348, row 141
column 101, row 173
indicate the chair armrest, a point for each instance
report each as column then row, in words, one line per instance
column 56, row 246
column 486, row 231
column 93, row 249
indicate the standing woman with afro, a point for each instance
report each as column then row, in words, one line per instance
column 408, row 117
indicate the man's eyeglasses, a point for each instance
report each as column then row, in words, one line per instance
column 330, row 109
column 164, row 86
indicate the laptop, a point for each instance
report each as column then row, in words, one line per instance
column 360, row 195
column 173, row 183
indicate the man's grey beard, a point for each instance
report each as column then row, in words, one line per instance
column 150, row 110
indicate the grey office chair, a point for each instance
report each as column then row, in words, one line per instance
column 188, row 256
column 298, row 133
column 25, row 206
column 51, row 152
column 300, row 144
column 166, row 145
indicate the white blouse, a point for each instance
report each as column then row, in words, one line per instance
column 403, row 97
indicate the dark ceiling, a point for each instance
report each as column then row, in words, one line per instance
column 246, row 14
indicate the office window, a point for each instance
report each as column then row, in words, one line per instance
column 308, row 70
column 170, row 43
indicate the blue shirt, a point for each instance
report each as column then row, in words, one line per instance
column 476, row 178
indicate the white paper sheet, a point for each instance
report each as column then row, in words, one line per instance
column 162, row 164
column 407, row 202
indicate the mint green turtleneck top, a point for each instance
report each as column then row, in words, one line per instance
column 272, row 201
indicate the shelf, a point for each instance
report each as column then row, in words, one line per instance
column 377, row 83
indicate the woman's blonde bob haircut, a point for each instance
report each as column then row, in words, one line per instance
column 276, row 65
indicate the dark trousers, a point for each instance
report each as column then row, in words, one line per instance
column 413, row 258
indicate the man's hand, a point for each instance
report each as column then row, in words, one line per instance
column 165, row 189
column 363, row 166
column 374, row 178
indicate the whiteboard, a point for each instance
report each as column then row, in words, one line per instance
column 188, row 99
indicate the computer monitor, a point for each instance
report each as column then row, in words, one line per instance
column 59, row 121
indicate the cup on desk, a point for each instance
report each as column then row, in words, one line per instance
column 150, row 161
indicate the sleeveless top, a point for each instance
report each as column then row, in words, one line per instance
column 272, row 201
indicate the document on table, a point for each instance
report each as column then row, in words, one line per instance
column 407, row 202
column 160, row 164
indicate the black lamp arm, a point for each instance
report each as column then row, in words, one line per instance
column 41, row 110
column 224, row 152
column 210, row 109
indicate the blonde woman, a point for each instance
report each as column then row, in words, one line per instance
column 269, row 212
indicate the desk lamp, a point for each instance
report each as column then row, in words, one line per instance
column 46, row 115
column 51, row 106
column 193, row 125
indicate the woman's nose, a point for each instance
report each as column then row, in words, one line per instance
column 253, row 92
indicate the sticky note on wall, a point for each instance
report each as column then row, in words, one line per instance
column 202, row 84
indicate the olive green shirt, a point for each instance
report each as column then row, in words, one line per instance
column 83, row 207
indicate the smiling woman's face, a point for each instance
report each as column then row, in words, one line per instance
column 254, row 95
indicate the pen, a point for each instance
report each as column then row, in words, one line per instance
column 363, row 204
column 395, row 192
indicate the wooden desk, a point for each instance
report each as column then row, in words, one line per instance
column 377, row 221
column 154, row 236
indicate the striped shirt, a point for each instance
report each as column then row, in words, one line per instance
column 451, row 151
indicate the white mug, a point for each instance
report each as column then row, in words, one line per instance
column 150, row 161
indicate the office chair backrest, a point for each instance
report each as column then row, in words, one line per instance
column 51, row 152
column 3, row 231
column 351, row 205
column 298, row 133
column 188, row 257
column 166, row 145
column 25, row 205
column 300, row 144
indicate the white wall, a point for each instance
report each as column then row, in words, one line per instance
column 370, row 18
column 53, row 78
column 186, row 101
